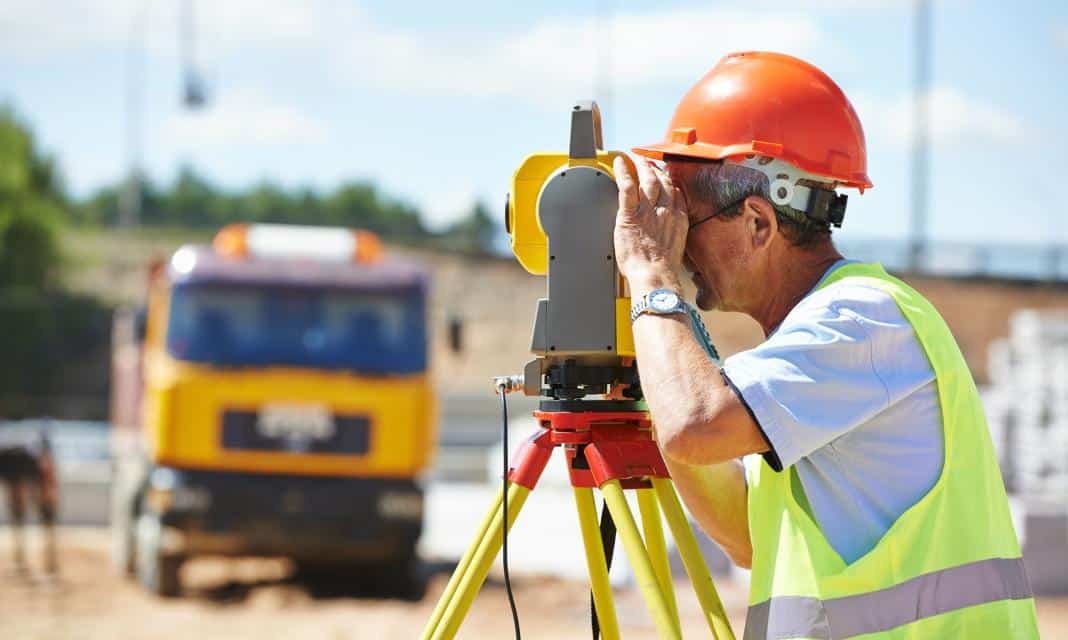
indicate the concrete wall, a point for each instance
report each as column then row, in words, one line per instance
column 978, row 310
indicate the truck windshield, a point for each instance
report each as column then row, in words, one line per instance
column 236, row 325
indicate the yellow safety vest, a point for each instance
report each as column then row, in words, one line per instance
column 949, row 567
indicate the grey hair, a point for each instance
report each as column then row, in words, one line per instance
column 724, row 186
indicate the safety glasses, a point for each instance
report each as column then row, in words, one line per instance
column 725, row 210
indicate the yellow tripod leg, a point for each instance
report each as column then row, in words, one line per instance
column 666, row 625
column 596, row 564
column 654, row 542
column 692, row 560
column 462, row 567
column 478, row 568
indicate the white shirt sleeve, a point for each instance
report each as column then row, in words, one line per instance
column 843, row 355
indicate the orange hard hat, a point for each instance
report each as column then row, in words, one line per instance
column 774, row 105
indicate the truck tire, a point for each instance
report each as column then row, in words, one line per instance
column 400, row 578
column 157, row 572
column 127, row 479
column 405, row 578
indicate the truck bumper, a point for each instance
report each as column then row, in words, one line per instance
column 303, row 517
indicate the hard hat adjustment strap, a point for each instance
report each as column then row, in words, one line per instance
column 826, row 206
column 819, row 205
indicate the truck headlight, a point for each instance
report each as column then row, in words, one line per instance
column 159, row 500
column 166, row 492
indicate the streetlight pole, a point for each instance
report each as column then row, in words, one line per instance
column 193, row 97
column 920, row 134
column 130, row 199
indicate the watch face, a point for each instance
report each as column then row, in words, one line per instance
column 663, row 300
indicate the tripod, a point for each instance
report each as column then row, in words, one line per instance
column 609, row 446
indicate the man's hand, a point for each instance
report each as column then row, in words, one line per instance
column 651, row 227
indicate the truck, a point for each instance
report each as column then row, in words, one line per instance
column 272, row 398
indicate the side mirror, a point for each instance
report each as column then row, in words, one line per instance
column 455, row 331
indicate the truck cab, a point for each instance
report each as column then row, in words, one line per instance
column 283, row 407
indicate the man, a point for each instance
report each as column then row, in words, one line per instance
column 870, row 502
column 27, row 469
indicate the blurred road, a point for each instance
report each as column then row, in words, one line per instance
column 258, row 600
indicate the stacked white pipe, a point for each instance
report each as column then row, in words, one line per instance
column 1027, row 402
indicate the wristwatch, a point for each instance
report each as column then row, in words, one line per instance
column 666, row 302
column 660, row 302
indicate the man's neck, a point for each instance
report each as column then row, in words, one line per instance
column 790, row 280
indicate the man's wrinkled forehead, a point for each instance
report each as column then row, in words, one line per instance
column 683, row 171
column 714, row 184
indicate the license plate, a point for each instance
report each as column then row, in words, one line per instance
column 295, row 429
column 296, row 424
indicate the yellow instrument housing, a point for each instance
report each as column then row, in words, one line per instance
column 529, row 242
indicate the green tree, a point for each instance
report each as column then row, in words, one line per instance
column 190, row 202
column 43, row 330
column 474, row 233
column 31, row 195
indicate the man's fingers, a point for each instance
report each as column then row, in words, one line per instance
column 667, row 188
column 628, row 190
column 679, row 201
column 648, row 182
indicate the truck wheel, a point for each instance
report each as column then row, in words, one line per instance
column 157, row 572
column 405, row 578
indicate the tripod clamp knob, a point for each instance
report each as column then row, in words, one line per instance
column 508, row 384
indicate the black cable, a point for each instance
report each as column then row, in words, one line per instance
column 504, row 510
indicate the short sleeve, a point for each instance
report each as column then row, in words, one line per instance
column 816, row 379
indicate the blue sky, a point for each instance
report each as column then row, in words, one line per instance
column 438, row 102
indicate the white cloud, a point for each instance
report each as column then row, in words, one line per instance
column 954, row 118
column 557, row 60
column 244, row 117
column 29, row 28
column 553, row 60
column 36, row 28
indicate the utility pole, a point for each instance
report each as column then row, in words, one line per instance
column 193, row 93
column 130, row 199
column 920, row 134
column 194, row 96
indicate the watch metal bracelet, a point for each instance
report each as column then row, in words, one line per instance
column 701, row 333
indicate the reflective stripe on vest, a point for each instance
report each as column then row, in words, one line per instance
column 921, row 597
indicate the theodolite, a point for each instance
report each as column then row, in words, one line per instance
column 560, row 215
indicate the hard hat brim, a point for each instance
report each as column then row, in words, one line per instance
column 696, row 150
column 706, row 151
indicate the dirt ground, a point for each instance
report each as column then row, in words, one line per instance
column 258, row 599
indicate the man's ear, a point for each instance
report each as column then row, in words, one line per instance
column 760, row 221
